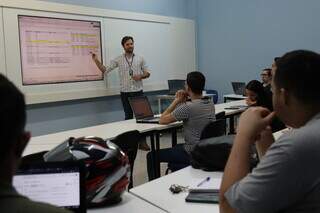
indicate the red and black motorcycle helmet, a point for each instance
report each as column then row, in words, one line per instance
column 108, row 169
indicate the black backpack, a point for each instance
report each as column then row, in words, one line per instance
column 212, row 154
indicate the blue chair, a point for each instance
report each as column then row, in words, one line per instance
column 214, row 93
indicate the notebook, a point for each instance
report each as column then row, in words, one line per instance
column 207, row 184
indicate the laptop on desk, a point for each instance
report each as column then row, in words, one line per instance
column 59, row 183
column 142, row 110
column 238, row 88
column 175, row 85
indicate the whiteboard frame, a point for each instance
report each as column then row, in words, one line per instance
column 2, row 47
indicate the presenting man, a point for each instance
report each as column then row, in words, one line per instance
column 132, row 70
column 287, row 179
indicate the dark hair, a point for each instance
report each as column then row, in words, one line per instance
column 196, row 81
column 12, row 115
column 125, row 39
column 268, row 70
column 263, row 99
column 299, row 72
column 276, row 59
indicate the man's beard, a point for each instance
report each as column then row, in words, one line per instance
column 129, row 50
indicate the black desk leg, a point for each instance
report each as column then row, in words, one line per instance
column 231, row 125
column 157, row 160
column 174, row 139
column 153, row 157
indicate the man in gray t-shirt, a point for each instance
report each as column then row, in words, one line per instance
column 287, row 179
column 195, row 114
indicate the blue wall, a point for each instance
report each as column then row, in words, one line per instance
column 236, row 39
column 54, row 117
column 176, row 8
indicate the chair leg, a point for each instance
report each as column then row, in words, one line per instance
column 167, row 171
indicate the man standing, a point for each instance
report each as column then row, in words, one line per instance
column 132, row 70
column 287, row 178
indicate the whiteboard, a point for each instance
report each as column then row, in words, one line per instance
column 2, row 47
column 168, row 46
column 47, row 92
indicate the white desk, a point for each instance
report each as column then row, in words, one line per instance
column 110, row 130
column 172, row 97
column 233, row 97
column 129, row 204
column 106, row 131
column 157, row 191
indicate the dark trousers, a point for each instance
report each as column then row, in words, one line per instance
column 125, row 102
column 175, row 155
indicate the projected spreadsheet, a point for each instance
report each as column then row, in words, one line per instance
column 58, row 50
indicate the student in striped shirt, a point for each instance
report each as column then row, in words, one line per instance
column 195, row 114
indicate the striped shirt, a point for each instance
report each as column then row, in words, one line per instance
column 195, row 116
column 127, row 84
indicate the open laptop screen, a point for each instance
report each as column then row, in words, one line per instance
column 141, row 107
column 239, row 87
column 175, row 85
column 60, row 184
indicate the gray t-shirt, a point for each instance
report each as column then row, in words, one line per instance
column 288, row 177
column 195, row 115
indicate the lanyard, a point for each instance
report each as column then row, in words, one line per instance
column 130, row 64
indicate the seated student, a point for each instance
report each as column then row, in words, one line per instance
column 287, row 179
column 257, row 96
column 13, row 141
column 266, row 78
column 195, row 115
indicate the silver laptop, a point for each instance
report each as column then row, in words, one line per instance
column 59, row 183
column 142, row 110
column 239, row 88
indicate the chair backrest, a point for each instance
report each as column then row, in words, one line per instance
column 35, row 158
column 129, row 142
column 214, row 129
column 221, row 115
column 215, row 93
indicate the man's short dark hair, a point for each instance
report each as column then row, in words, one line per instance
column 299, row 72
column 196, row 82
column 12, row 115
column 268, row 70
column 125, row 39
